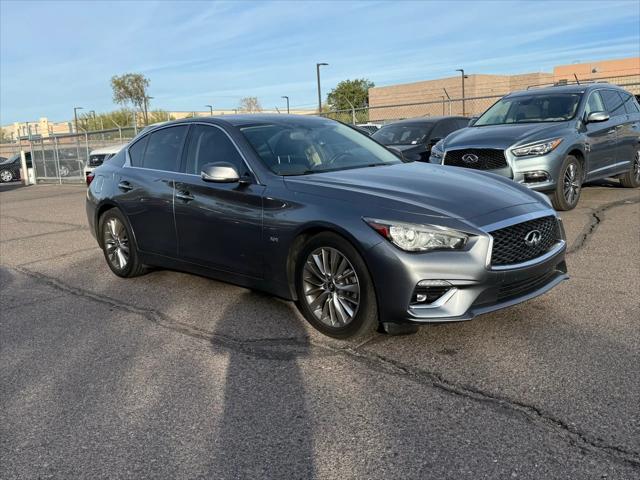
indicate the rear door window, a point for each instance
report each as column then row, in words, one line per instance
column 630, row 104
column 164, row 149
column 613, row 102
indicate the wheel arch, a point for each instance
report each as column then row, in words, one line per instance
column 303, row 235
column 578, row 152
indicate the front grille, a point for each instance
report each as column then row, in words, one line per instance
column 509, row 245
column 487, row 158
column 527, row 285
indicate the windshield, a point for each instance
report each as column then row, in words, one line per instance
column 557, row 107
column 402, row 134
column 300, row 150
column 11, row 159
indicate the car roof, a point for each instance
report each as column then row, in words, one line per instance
column 574, row 88
column 252, row 119
column 107, row 150
column 425, row 120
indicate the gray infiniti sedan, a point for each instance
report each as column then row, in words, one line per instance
column 553, row 139
column 313, row 211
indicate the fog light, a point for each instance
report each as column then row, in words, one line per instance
column 433, row 283
column 536, row 177
column 428, row 291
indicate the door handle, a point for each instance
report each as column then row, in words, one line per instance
column 124, row 185
column 183, row 195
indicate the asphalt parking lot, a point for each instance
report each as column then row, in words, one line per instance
column 171, row 375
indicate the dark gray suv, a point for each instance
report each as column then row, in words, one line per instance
column 553, row 140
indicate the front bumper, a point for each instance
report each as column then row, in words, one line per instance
column 518, row 169
column 476, row 287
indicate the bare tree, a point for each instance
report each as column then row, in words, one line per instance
column 250, row 105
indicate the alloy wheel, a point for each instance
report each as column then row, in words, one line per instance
column 331, row 287
column 571, row 183
column 116, row 243
column 636, row 167
column 64, row 170
column 6, row 176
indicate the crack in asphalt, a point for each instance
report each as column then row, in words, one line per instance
column 596, row 218
column 295, row 347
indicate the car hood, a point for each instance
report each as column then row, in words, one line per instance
column 502, row 136
column 419, row 188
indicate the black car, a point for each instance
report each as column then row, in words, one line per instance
column 10, row 168
column 311, row 210
column 415, row 137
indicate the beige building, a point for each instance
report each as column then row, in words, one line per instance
column 442, row 96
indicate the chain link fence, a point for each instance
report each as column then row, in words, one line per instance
column 466, row 107
column 62, row 158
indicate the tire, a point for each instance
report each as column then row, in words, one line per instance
column 118, row 243
column 342, row 287
column 631, row 179
column 569, row 185
column 6, row 176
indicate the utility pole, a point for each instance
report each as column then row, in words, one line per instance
column 284, row 96
column 318, row 65
column 461, row 70
column 210, row 109
column 75, row 117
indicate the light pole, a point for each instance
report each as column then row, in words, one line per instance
column 318, row 65
column 75, row 116
column 461, row 70
column 287, row 98
column 210, row 109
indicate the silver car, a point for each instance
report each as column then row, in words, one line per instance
column 553, row 140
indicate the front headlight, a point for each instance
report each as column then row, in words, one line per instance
column 437, row 151
column 541, row 148
column 413, row 237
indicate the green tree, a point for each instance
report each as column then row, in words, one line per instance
column 158, row 115
column 131, row 89
column 350, row 93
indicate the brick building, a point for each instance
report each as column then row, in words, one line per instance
column 442, row 96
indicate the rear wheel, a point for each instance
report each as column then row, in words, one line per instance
column 569, row 185
column 118, row 244
column 335, row 291
column 6, row 175
column 631, row 179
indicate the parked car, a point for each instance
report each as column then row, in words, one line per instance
column 10, row 167
column 415, row 137
column 369, row 128
column 97, row 157
column 553, row 140
column 310, row 210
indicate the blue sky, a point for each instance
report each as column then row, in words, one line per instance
column 55, row 55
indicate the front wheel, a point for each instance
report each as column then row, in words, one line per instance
column 631, row 179
column 569, row 185
column 334, row 289
column 6, row 176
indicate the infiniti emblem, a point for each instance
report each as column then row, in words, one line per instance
column 469, row 158
column 533, row 238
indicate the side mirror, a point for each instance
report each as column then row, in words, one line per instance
column 219, row 172
column 594, row 117
column 397, row 152
column 472, row 121
column 433, row 141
